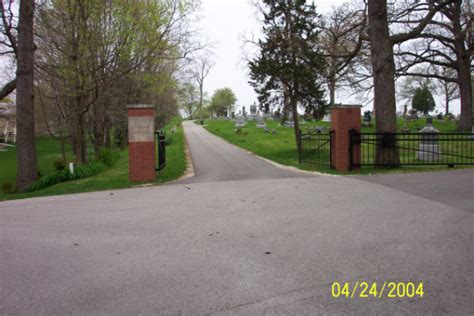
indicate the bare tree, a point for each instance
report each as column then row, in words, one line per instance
column 202, row 65
column 8, row 40
column 27, row 166
column 445, row 43
column 447, row 88
column 341, row 42
column 383, row 65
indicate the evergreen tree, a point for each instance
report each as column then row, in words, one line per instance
column 289, row 69
column 423, row 100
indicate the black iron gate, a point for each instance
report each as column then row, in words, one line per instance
column 316, row 149
column 161, row 149
column 408, row 149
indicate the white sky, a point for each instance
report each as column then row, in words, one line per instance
column 225, row 23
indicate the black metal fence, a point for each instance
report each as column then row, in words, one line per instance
column 316, row 149
column 398, row 149
column 161, row 149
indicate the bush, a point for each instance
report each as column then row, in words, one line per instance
column 59, row 165
column 8, row 187
column 108, row 157
column 50, row 179
column 80, row 172
column 88, row 170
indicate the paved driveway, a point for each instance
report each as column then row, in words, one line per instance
column 454, row 188
column 269, row 244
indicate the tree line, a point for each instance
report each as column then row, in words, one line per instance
column 79, row 62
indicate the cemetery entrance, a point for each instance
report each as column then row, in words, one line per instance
column 316, row 148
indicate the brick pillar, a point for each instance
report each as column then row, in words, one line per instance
column 141, row 142
column 343, row 119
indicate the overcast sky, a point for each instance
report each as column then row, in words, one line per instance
column 225, row 23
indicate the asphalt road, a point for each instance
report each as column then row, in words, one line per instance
column 217, row 160
column 266, row 245
column 454, row 188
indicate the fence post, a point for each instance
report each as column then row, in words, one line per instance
column 345, row 118
column 141, row 142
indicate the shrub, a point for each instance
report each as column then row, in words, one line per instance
column 108, row 157
column 8, row 187
column 80, row 172
column 88, row 170
column 59, row 165
column 50, row 179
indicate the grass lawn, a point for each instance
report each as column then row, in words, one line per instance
column 112, row 178
column 281, row 147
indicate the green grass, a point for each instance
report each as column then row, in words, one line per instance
column 281, row 147
column 115, row 177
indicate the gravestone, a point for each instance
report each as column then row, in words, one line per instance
column 253, row 112
column 260, row 122
column 428, row 149
column 326, row 118
column 367, row 119
column 318, row 129
column 240, row 122
column 289, row 124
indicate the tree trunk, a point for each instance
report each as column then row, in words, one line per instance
column 384, row 84
column 63, row 146
column 108, row 141
column 27, row 165
column 465, row 93
column 294, row 107
column 80, row 143
column 446, row 100
column 464, row 70
column 332, row 89
column 99, row 125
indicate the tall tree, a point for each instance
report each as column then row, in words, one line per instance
column 445, row 43
column 289, row 69
column 8, row 41
column 189, row 99
column 202, row 65
column 222, row 100
column 341, row 42
column 27, row 165
column 383, row 65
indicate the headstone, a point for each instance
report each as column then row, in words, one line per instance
column 240, row 122
column 253, row 109
column 277, row 115
column 326, row 118
column 367, row 117
column 428, row 148
column 318, row 129
column 289, row 124
column 260, row 122
column 253, row 112
column 412, row 114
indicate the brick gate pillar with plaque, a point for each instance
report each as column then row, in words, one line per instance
column 343, row 119
column 141, row 142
